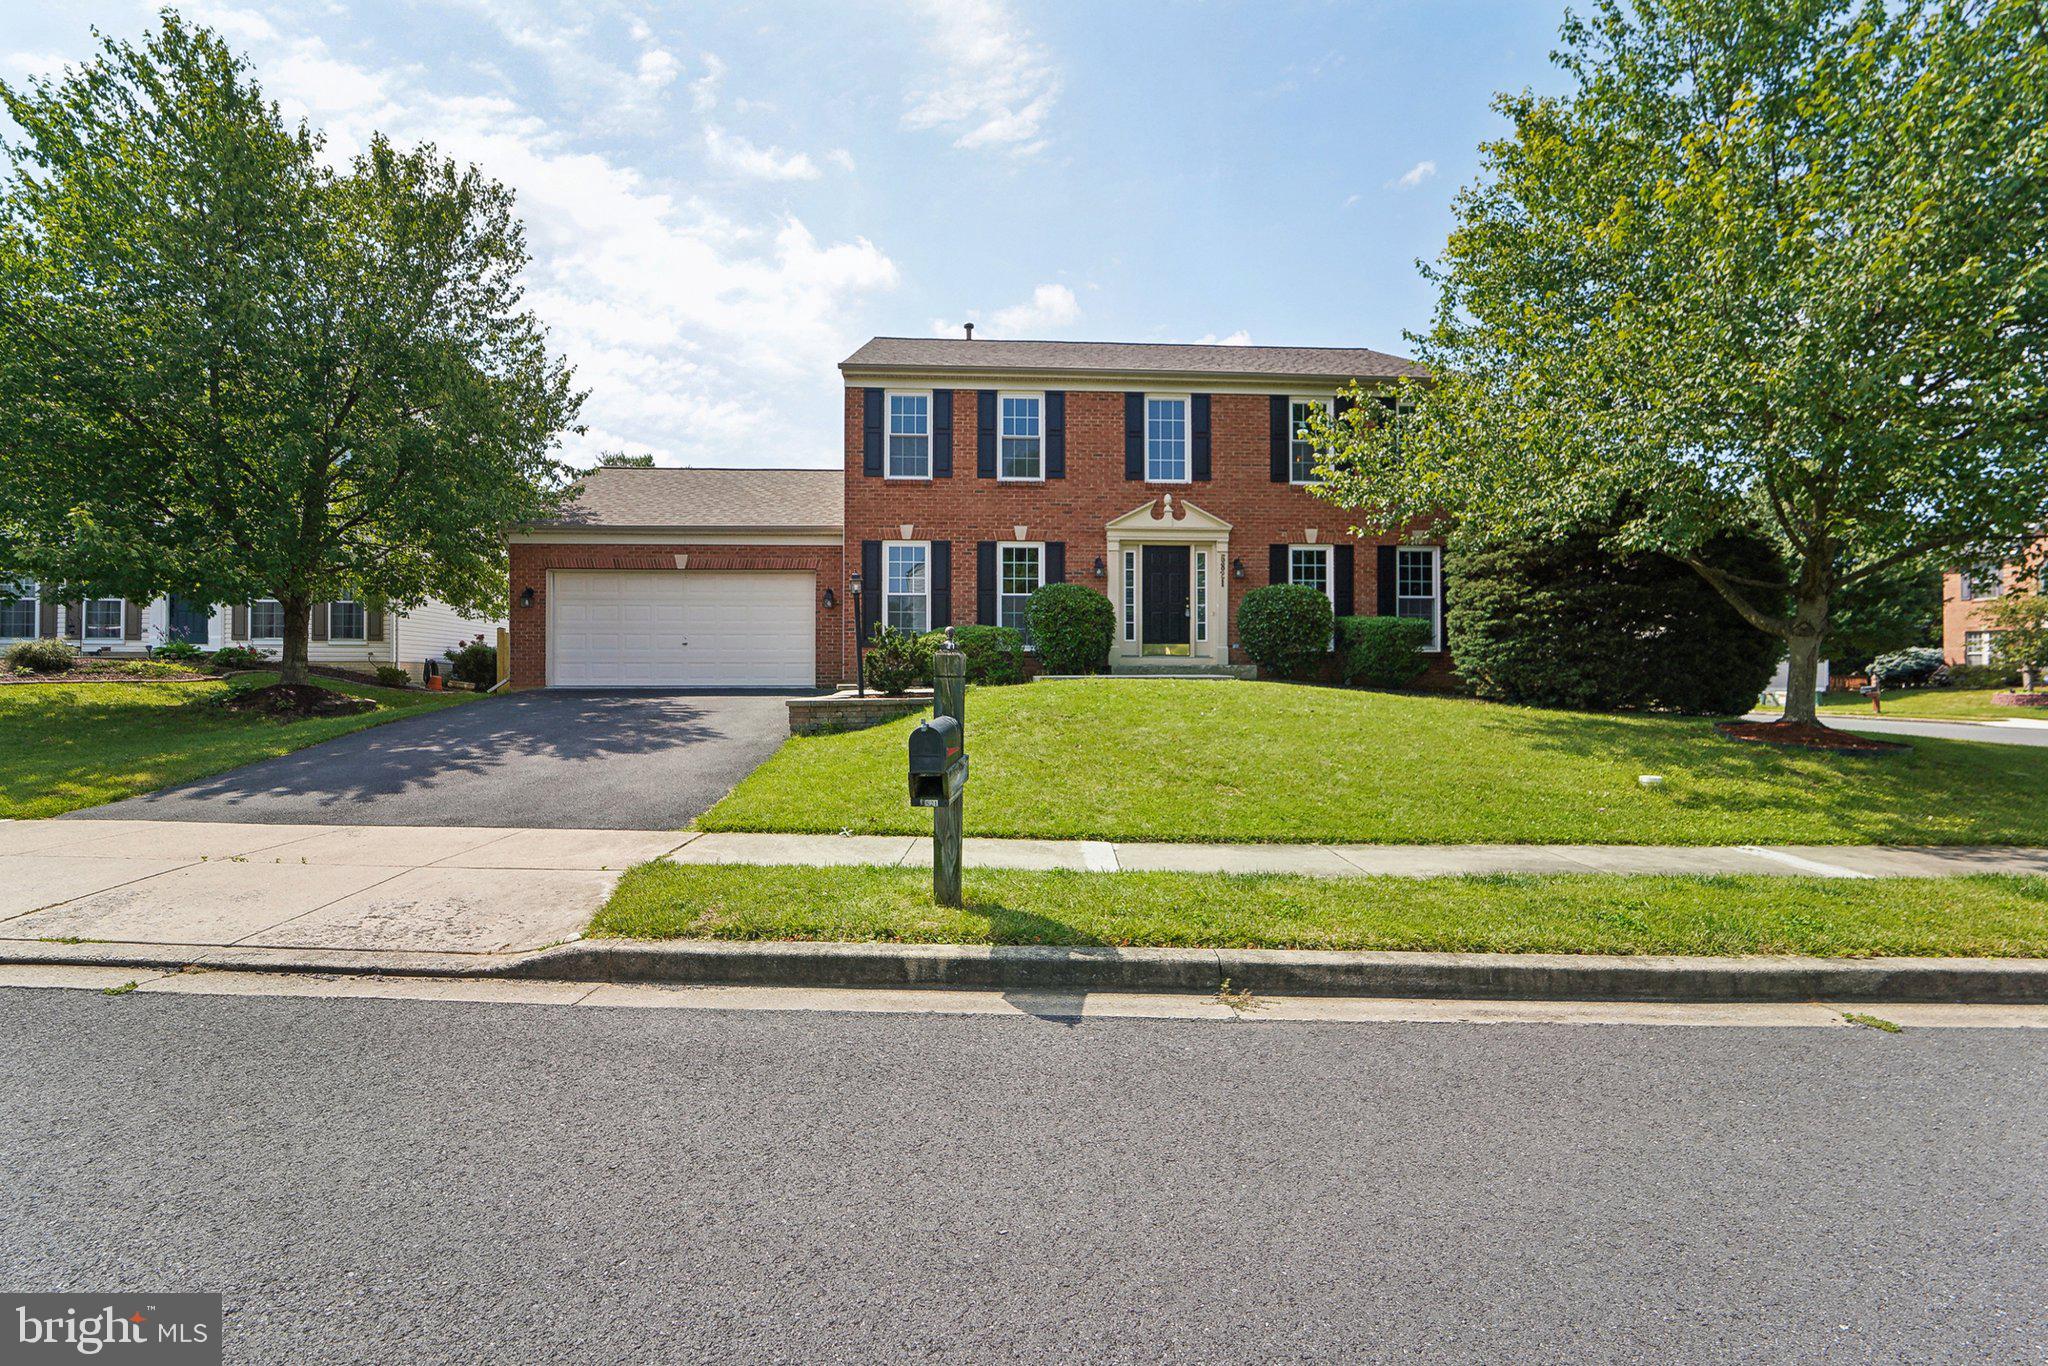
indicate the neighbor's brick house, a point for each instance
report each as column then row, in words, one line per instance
column 1967, row 634
column 1169, row 477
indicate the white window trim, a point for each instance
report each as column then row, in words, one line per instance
column 1329, row 408
column 1436, row 597
column 34, row 601
column 1198, row 592
column 1130, row 598
column 1187, row 449
column 253, row 637
column 1972, row 640
column 1037, row 395
column 926, row 547
column 930, row 457
column 85, row 607
column 362, row 639
column 1329, row 567
column 1001, row 546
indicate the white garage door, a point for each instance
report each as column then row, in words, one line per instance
column 681, row 629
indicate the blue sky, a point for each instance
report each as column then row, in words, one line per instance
column 723, row 200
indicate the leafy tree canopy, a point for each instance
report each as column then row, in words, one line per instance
column 231, row 370
column 1770, row 262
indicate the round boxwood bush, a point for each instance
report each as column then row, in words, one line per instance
column 41, row 657
column 1382, row 652
column 995, row 654
column 898, row 661
column 1285, row 628
column 1072, row 625
column 1906, row 668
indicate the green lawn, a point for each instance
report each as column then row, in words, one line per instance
column 68, row 745
column 1972, row 916
column 1941, row 704
column 1199, row 761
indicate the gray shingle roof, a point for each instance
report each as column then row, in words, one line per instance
column 1128, row 358
column 663, row 499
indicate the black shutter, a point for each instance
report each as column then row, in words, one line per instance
column 871, row 583
column 1278, row 437
column 1340, row 571
column 1134, row 436
column 942, row 434
column 985, row 434
column 1386, row 581
column 1443, row 604
column 1055, row 561
column 985, row 583
column 871, row 433
column 1056, row 435
column 1198, row 413
column 1343, row 405
column 1276, row 564
column 942, row 584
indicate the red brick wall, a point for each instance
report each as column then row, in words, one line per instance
column 965, row 509
column 1960, row 616
column 531, row 563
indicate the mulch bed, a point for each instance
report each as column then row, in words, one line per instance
column 295, row 701
column 1805, row 735
column 104, row 671
column 2020, row 699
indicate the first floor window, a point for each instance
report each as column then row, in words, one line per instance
column 1978, row 646
column 1130, row 595
column 18, row 614
column 1415, row 595
column 906, row 603
column 1023, row 454
column 1301, row 450
column 1309, row 566
column 1020, row 572
column 345, row 620
column 103, row 618
column 1166, row 440
column 910, row 436
column 1201, row 595
column 266, row 619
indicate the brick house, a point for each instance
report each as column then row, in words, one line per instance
column 1169, row 477
column 1967, row 634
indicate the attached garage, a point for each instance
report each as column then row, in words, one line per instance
column 737, row 628
column 685, row 578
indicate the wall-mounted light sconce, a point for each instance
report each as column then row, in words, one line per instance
column 1237, row 569
column 830, row 601
column 526, row 597
column 1101, row 569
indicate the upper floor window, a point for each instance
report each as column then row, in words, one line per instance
column 1022, row 450
column 1301, row 450
column 1166, row 440
column 266, row 619
column 1020, row 573
column 19, row 614
column 1980, row 586
column 910, row 436
column 346, row 620
column 103, row 618
column 1415, row 591
column 906, row 597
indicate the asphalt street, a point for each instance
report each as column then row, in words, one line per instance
column 553, row 760
column 429, row 1181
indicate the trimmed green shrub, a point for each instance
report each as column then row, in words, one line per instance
column 237, row 657
column 1072, row 625
column 391, row 676
column 41, row 657
column 1912, row 668
column 475, row 664
column 995, row 654
column 1285, row 628
column 1982, row 676
column 1569, row 623
column 1382, row 652
column 178, row 651
column 898, row 661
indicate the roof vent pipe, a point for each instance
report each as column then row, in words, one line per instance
column 970, row 330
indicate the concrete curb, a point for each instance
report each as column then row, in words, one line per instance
column 1272, row 972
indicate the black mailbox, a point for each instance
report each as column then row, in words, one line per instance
column 938, row 766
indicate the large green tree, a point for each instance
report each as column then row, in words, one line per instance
column 1778, row 263
column 230, row 370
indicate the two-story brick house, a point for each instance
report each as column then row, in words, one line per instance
column 1171, row 477
column 1968, row 635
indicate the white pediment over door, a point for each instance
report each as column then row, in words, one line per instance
column 1168, row 518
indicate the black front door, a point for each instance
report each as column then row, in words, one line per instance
column 188, row 621
column 1165, row 619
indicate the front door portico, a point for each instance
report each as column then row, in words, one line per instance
column 1169, row 582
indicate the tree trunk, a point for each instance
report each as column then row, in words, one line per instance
column 298, row 624
column 1809, row 625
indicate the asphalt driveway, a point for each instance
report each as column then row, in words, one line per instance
column 554, row 760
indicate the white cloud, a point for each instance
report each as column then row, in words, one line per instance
column 1351, row 201
column 1237, row 338
column 23, row 64
column 994, row 85
column 704, row 90
column 1048, row 306
column 734, row 153
column 841, row 158
column 658, row 67
column 1413, row 176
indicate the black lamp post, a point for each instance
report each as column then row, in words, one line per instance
column 860, row 661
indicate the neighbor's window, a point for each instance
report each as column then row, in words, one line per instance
column 1415, row 595
column 910, row 436
column 1130, row 595
column 1301, row 451
column 1978, row 645
column 266, row 619
column 103, row 618
column 906, row 603
column 18, row 615
column 1166, row 440
column 1022, row 451
column 1020, row 572
column 1977, row 587
column 346, row 620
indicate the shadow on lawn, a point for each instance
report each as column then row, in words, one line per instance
column 1010, row 928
